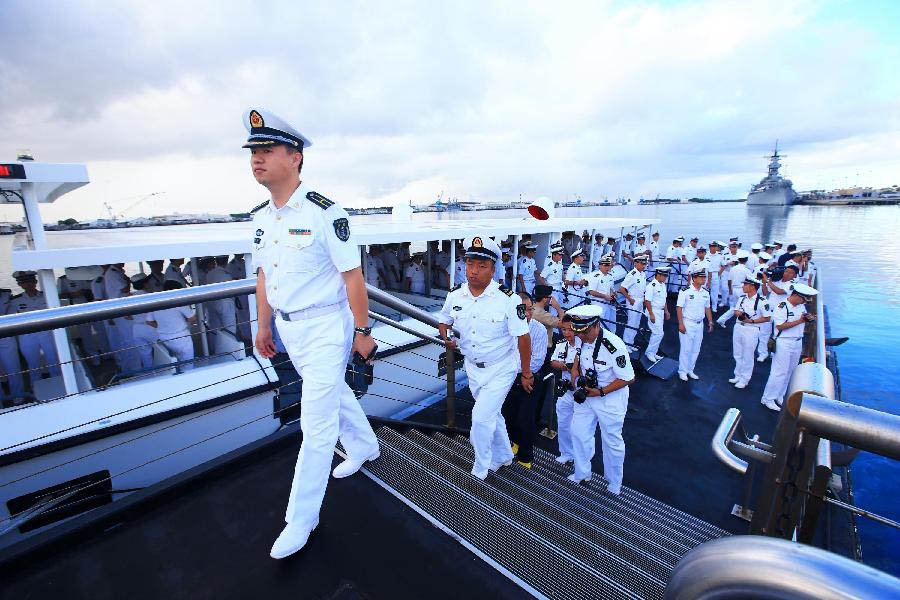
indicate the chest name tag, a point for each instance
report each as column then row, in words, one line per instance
column 300, row 231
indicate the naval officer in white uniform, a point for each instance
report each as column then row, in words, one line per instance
column 606, row 404
column 633, row 287
column 790, row 318
column 33, row 345
column 752, row 312
column 309, row 275
column 692, row 305
column 656, row 310
column 495, row 342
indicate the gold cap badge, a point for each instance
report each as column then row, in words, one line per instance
column 256, row 119
column 476, row 242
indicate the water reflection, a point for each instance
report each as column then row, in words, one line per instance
column 768, row 222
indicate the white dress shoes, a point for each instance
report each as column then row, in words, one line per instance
column 351, row 466
column 292, row 539
column 683, row 376
column 693, row 375
column 563, row 460
column 733, row 380
column 741, row 385
column 575, row 479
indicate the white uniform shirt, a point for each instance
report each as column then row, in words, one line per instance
column 574, row 273
column 756, row 307
column 655, row 293
column 566, row 354
column 218, row 275
column 68, row 286
column 459, row 271
column 538, row 333
column 693, row 303
column 171, row 322
column 715, row 262
column 785, row 312
column 673, row 255
column 21, row 303
column 653, row 247
column 303, row 248
column 697, row 263
column 237, row 269
column 601, row 282
column 527, row 269
column 500, row 271
column 635, row 283
column 612, row 361
column 98, row 288
column 416, row 276
column 639, row 249
column 488, row 324
column 115, row 281
column 391, row 263
column 689, row 252
column 739, row 273
column 776, row 299
column 173, row 273
column 371, row 270
column 553, row 274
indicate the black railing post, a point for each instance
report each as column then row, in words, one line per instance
column 450, row 359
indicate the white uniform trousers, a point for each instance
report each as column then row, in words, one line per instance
column 529, row 285
column 488, row 435
column 32, row 346
column 766, row 330
column 634, row 321
column 714, row 290
column 689, row 346
column 144, row 337
column 744, row 341
column 181, row 345
column 319, row 349
column 787, row 355
column 656, row 330
column 9, row 357
column 565, row 407
column 221, row 316
column 127, row 358
column 608, row 412
column 674, row 283
column 608, row 316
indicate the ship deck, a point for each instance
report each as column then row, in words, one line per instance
column 207, row 533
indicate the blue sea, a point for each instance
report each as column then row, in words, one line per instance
column 856, row 251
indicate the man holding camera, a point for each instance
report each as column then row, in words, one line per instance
column 601, row 397
column 752, row 312
column 491, row 323
column 789, row 317
column 563, row 360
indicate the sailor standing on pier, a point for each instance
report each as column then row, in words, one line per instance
column 691, row 307
column 790, row 318
column 633, row 287
column 309, row 275
column 491, row 323
column 656, row 309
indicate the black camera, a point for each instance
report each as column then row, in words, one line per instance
column 588, row 380
column 562, row 387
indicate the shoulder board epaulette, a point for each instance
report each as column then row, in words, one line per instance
column 99, row 279
column 16, row 296
column 607, row 343
column 258, row 207
column 781, row 305
column 456, row 287
column 319, row 200
column 506, row 290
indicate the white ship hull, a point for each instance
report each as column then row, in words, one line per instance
column 772, row 197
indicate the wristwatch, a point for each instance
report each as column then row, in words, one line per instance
column 364, row 330
column 602, row 393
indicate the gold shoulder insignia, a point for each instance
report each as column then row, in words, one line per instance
column 607, row 343
column 258, row 207
column 456, row 287
column 506, row 290
column 319, row 200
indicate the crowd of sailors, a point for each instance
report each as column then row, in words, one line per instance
column 127, row 342
column 583, row 324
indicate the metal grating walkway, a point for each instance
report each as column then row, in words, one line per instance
column 554, row 538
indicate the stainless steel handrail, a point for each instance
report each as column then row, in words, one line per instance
column 722, row 438
column 64, row 316
column 864, row 428
column 409, row 330
column 820, row 322
column 748, row 566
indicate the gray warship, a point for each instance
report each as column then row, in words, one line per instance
column 773, row 189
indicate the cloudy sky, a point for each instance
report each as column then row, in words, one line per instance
column 478, row 100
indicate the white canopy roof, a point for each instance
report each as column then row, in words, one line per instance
column 105, row 246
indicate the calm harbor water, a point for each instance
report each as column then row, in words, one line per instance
column 856, row 252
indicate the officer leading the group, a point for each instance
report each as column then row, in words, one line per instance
column 604, row 358
column 492, row 329
column 309, row 275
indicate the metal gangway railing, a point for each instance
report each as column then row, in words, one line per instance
column 798, row 461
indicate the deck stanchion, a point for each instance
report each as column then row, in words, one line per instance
column 450, row 358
